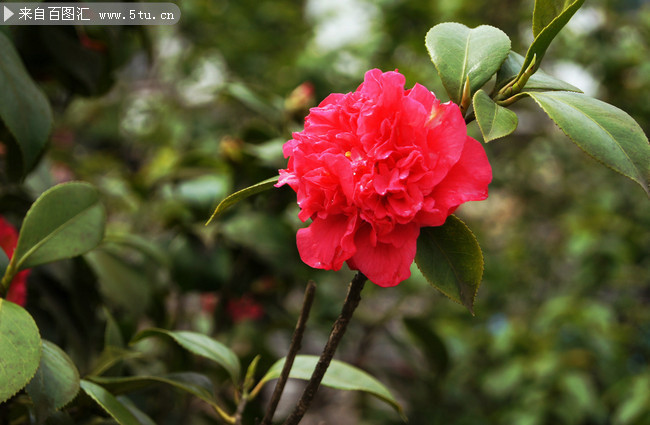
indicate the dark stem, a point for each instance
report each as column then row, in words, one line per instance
column 338, row 330
column 471, row 117
column 240, row 408
column 296, row 341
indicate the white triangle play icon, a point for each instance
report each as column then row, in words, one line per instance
column 7, row 13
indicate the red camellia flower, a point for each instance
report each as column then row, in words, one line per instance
column 8, row 240
column 372, row 167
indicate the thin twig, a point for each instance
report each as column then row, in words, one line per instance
column 240, row 408
column 296, row 341
column 338, row 330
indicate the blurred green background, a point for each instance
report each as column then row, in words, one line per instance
column 166, row 121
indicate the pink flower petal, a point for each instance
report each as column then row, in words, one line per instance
column 385, row 264
column 327, row 242
column 372, row 167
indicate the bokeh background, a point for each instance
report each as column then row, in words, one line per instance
column 166, row 121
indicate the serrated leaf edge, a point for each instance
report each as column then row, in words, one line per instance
column 40, row 351
column 62, row 226
column 170, row 334
column 101, row 405
column 540, row 56
column 426, row 36
column 59, row 407
column 645, row 188
column 471, row 307
column 496, row 111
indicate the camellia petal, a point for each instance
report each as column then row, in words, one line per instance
column 372, row 167
column 385, row 263
column 327, row 242
column 468, row 178
column 18, row 287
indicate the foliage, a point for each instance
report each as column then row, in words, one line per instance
column 162, row 123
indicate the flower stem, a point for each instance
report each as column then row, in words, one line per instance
column 240, row 409
column 5, row 280
column 338, row 330
column 296, row 341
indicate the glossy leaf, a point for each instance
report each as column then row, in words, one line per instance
column 459, row 52
column 24, row 109
column 539, row 81
column 109, row 403
column 546, row 35
column 65, row 221
column 603, row 131
column 243, row 194
column 339, row 375
column 20, row 348
column 56, row 382
column 450, row 258
column 201, row 345
column 494, row 120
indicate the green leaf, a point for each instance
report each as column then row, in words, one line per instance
column 201, row 345
column 539, row 81
column 459, row 52
column 23, row 107
column 494, row 120
column 546, row 11
column 250, row 374
column 109, row 403
column 634, row 404
column 339, row 375
column 142, row 417
column 243, row 194
column 56, row 382
column 545, row 36
column 450, row 258
column 20, row 348
column 65, row 221
column 190, row 382
column 603, row 131
column 123, row 284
